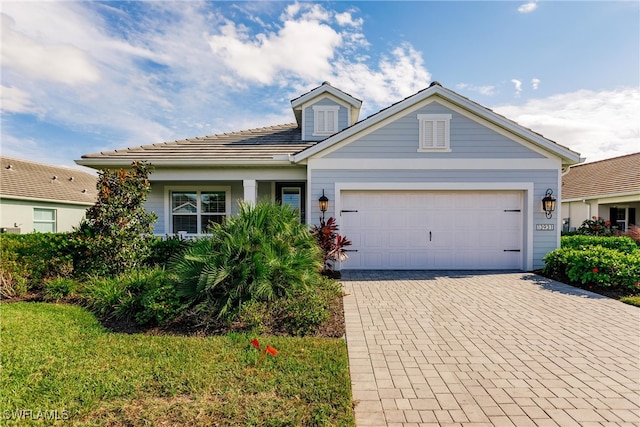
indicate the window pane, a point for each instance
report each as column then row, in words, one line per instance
column 185, row 223
column 44, row 227
column 213, row 202
column 184, row 202
column 44, row 214
column 291, row 197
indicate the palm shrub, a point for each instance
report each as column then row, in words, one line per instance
column 262, row 254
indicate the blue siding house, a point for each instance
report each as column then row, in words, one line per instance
column 434, row 181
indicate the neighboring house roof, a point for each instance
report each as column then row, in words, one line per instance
column 282, row 145
column 610, row 177
column 26, row 180
column 253, row 145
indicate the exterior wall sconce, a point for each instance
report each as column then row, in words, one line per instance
column 548, row 203
column 323, row 203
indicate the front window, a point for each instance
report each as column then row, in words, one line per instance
column 193, row 211
column 44, row 220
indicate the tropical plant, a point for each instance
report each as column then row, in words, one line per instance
column 596, row 226
column 332, row 244
column 113, row 237
column 261, row 254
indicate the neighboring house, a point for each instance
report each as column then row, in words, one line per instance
column 609, row 189
column 35, row 197
column 434, row 181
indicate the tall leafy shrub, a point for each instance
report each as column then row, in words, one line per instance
column 262, row 254
column 113, row 237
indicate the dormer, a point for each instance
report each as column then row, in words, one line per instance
column 325, row 111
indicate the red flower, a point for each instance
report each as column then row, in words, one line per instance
column 256, row 344
column 595, row 270
column 272, row 351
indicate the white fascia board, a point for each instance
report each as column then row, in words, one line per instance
column 416, row 101
column 607, row 198
column 228, row 174
column 101, row 163
column 434, row 164
column 564, row 152
column 41, row 200
column 322, row 90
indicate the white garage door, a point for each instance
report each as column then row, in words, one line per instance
column 432, row 229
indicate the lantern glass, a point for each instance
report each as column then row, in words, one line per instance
column 323, row 202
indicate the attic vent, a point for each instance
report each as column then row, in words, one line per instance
column 71, row 178
column 9, row 167
column 54, row 177
column 84, row 191
column 435, row 83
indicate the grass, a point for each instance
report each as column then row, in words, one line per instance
column 633, row 300
column 59, row 358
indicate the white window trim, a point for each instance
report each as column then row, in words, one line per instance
column 54, row 221
column 422, row 118
column 325, row 108
column 168, row 223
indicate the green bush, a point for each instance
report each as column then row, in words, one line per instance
column 299, row 314
column 145, row 296
column 620, row 243
column 113, row 236
column 595, row 265
column 59, row 288
column 162, row 250
column 262, row 254
column 27, row 260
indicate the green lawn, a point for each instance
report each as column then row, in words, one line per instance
column 59, row 358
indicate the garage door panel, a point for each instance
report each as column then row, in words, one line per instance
column 433, row 229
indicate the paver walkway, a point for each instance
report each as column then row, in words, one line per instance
column 488, row 349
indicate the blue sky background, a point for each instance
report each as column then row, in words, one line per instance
column 83, row 77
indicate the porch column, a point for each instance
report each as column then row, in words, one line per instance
column 250, row 191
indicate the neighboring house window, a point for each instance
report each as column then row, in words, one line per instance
column 434, row 132
column 325, row 119
column 44, row 220
column 193, row 211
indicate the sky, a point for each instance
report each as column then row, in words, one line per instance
column 83, row 77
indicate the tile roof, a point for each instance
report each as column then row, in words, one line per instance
column 619, row 175
column 253, row 144
column 23, row 178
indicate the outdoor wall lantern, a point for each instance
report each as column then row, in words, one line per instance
column 548, row 203
column 323, row 203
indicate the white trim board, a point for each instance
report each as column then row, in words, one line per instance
column 431, row 163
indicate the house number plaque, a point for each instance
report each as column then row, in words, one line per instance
column 545, row 227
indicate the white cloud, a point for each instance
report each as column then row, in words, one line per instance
column 305, row 50
column 596, row 124
column 302, row 48
column 518, row 86
column 528, row 7
column 487, row 90
column 47, row 61
column 346, row 19
column 535, row 83
column 14, row 100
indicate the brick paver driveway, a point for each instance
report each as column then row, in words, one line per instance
column 476, row 349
